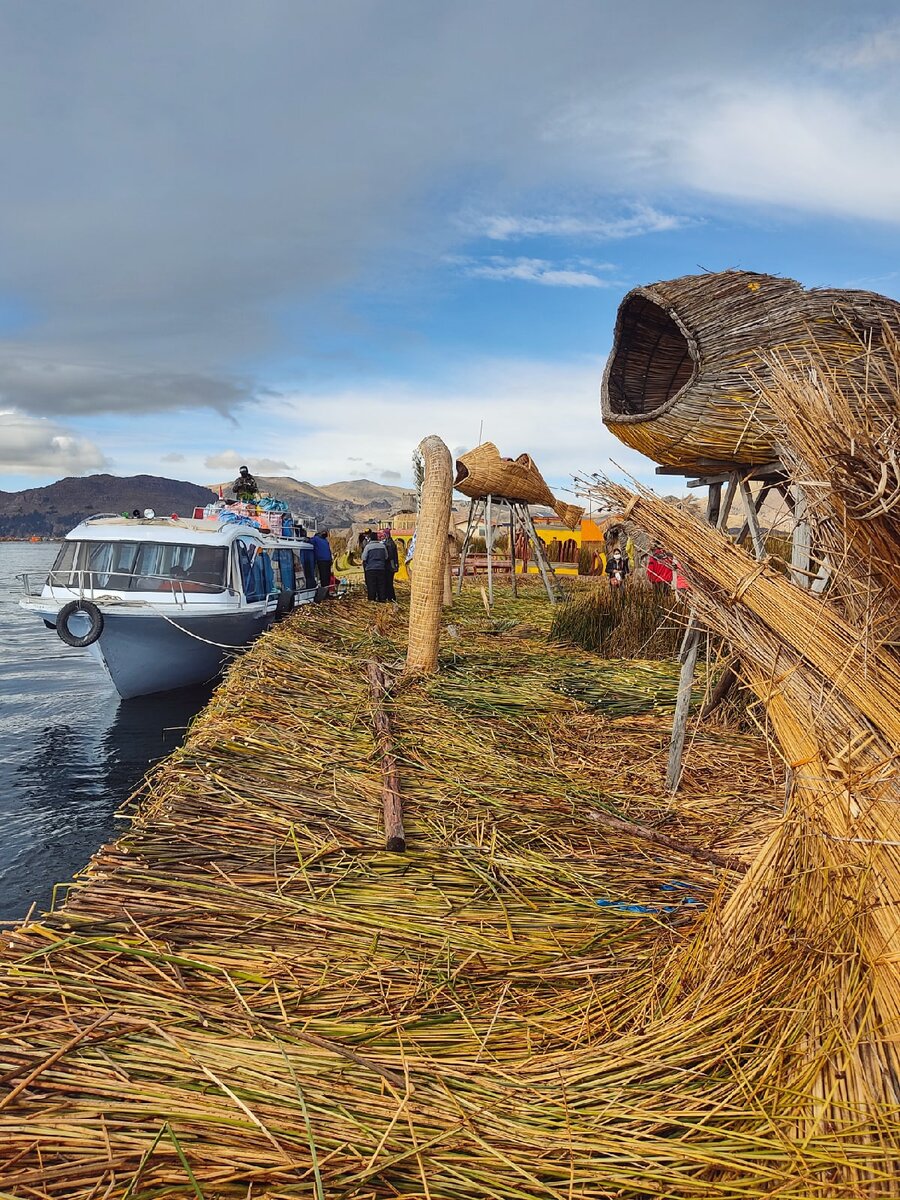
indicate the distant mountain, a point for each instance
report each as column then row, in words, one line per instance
column 364, row 491
column 52, row 511
column 338, row 504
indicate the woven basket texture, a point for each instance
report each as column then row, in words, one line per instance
column 482, row 472
column 429, row 565
column 689, row 359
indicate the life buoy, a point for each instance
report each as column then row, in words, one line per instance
column 91, row 611
column 285, row 602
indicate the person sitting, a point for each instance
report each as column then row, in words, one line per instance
column 374, row 561
column 244, row 487
column 617, row 568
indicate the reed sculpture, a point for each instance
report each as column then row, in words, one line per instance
column 686, row 380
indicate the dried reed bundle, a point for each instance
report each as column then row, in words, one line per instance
column 841, row 441
column 687, row 376
column 831, row 873
column 431, row 558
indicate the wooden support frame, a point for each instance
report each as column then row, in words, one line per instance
column 519, row 514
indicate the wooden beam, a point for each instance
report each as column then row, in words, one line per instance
column 752, row 521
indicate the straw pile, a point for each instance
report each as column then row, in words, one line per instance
column 687, row 377
column 828, row 673
column 246, row 995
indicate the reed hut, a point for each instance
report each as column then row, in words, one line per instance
column 689, row 361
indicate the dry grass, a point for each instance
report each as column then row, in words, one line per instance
column 283, row 1004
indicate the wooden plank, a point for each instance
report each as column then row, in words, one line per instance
column 714, row 502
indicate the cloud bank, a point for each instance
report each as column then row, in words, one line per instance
column 34, row 445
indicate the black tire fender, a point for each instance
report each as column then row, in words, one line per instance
column 91, row 611
column 285, row 602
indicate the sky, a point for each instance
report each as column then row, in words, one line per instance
column 303, row 236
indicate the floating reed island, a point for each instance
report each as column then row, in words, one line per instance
column 569, row 983
column 247, row 995
column 687, row 376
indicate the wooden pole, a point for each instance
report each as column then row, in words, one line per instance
column 721, row 691
column 752, row 521
column 489, row 546
column 395, row 836
column 538, row 548
column 682, row 706
column 801, row 539
column 465, row 547
column 631, row 829
column 512, row 551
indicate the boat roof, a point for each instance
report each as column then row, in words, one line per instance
column 191, row 531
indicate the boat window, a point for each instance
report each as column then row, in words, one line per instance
column 62, row 571
column 257, row 575
column 199, row 568
column 283, row 560
column 141, row 566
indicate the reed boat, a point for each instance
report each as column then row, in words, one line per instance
column 165, row 602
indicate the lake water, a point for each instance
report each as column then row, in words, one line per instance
column 70, row 750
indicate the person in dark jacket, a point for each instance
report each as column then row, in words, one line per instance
column 393, row 563
column 322, row 548
column 244, row 487
column 617, row 568
column 374, row 561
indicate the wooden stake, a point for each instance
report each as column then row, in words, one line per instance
column 512, row 551
column 618, row 825
column 465, row 547
column 682, row 707
column 489, row 544
column 395, row 836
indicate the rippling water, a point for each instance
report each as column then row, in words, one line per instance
column 70, row 750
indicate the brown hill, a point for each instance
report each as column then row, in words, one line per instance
column 364, row 491
column 53, row 510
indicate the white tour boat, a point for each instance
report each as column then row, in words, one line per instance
column 164, row 602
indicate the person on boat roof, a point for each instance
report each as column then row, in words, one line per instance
column 244, row 487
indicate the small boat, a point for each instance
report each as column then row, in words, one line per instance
column 165, row 602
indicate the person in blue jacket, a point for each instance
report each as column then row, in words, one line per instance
column 323, row 556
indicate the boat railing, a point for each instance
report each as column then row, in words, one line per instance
column 94, row 585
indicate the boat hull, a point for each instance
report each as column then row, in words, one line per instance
column 144, row 654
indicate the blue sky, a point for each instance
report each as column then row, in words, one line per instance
column 306, row 237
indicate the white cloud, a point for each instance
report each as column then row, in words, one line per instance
column 230, row 460
column 173, row 458
column 537, row 270
column 32, row 445
column 805, row 146
column 799, row 148
column 642, row 220
column 549, row 409
column 875, row 48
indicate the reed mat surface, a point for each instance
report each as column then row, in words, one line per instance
column 246, row 995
